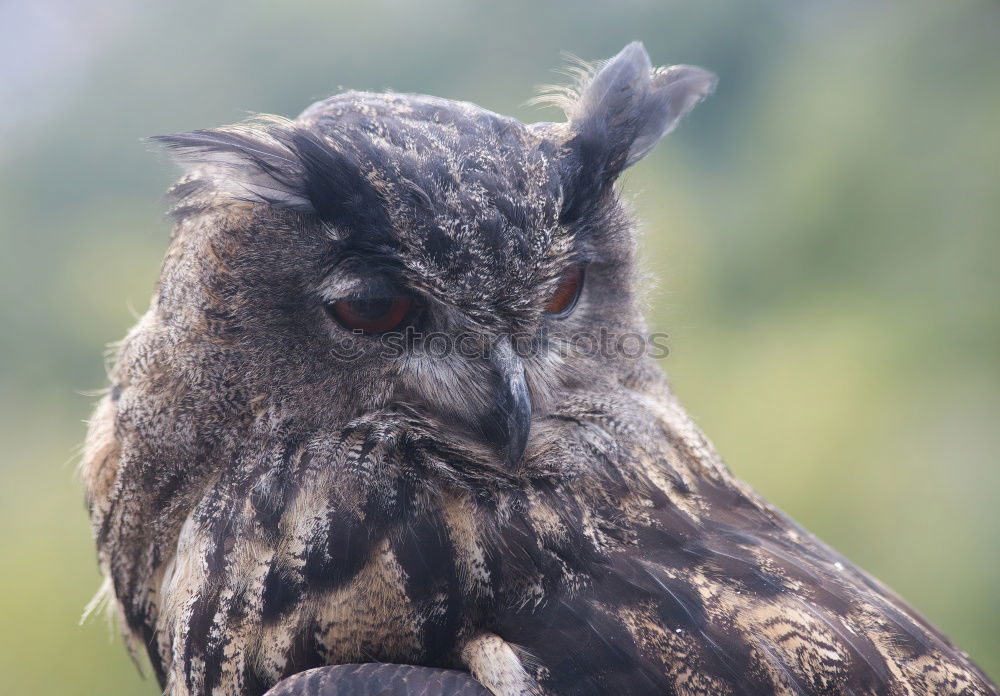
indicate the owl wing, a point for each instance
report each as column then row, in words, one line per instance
column 379, row 679
column 722, row 594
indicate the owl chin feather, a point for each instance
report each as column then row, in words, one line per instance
column 272, row 492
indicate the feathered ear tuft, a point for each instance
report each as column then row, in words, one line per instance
column 618, row 116
column 275, row 161
column 251, row 161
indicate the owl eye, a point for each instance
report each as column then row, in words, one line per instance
column 564, row 299
column 370, row 315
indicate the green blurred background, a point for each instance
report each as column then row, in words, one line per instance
column 824, row 231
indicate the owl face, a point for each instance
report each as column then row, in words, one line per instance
column 413, row 263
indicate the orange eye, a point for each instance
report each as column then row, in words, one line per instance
column 370, row 314
column 567, row 293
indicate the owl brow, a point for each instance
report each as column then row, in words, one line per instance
column 374, row 255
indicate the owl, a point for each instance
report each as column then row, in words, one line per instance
column 384, row 430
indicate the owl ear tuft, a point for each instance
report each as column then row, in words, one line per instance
column 251, row 161
column 620, row 114
column 274, row 161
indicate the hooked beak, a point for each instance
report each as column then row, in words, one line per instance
column 506, row 424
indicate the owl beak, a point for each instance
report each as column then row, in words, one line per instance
column 507, row 423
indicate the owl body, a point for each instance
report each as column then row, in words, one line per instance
column 273, row 490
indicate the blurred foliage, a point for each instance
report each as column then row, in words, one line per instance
column 824, row 230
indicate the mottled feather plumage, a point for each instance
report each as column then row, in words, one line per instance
column 263, row 506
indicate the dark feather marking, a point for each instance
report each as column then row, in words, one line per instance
column 342, row 546
column 282, row 591
column 585, row 651
column 255, row 683
column 425, row 553
column 339, row 550
column 335, row 185
column 199, row 645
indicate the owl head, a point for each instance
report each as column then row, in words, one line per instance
column 450, row 278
